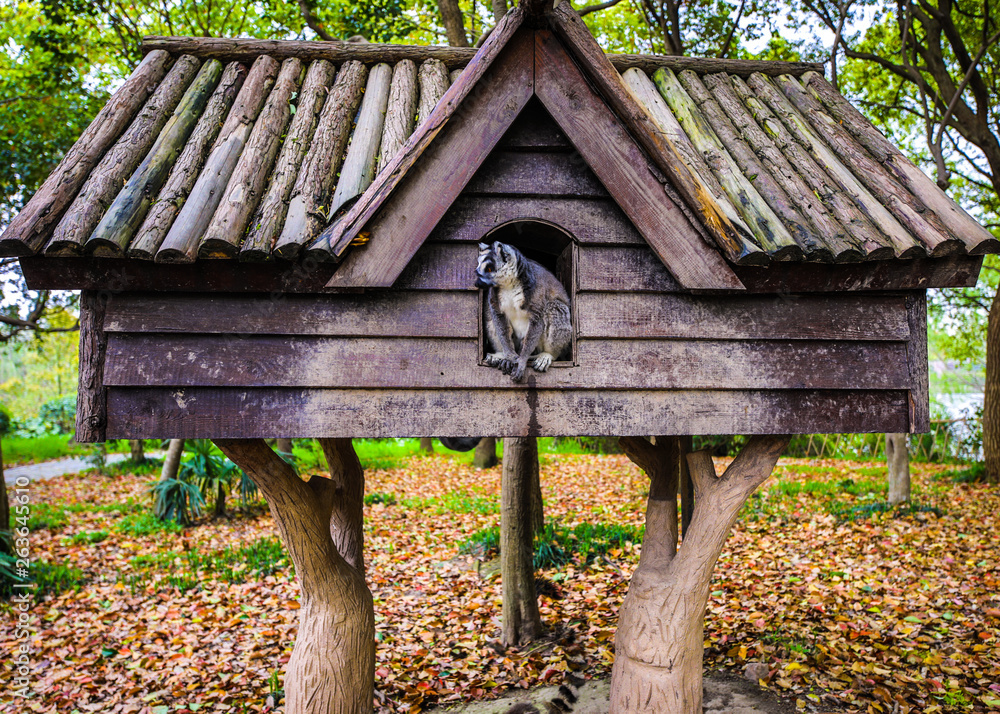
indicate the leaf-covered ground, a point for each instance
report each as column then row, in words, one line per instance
column 886, row 613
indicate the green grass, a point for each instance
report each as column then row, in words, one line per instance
column 41, row 448
column 558, row 545
column 385, row 499
column 87, row 537
column 455, row 502
column 46, row 516
column 185, row 571
column 144, row 524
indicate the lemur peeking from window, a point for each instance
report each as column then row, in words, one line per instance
column 527, row 311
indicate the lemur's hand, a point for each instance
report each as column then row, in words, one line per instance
column 517, row 374
column 498, row 360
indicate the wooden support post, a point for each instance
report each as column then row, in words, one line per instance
column 92, row 395
column 897, row 456
column 522, row 622
column 332, row 668
column 658, row 647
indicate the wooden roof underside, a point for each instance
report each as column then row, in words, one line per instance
column 235, row 154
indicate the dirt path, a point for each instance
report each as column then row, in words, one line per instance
column 59, row 467
column 724, row 694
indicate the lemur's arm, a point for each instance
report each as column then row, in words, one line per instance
column 529, row 344
column 499, row 333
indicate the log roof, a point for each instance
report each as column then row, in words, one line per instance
column 248, row 150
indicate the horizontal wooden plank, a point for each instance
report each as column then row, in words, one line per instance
column 623, row 268
column 300, row 361
column 949, row 272
column 589, row 220
column 793, row 317
column 544, row 173
column 440, row 266
column 395, row 314
column 246, row 413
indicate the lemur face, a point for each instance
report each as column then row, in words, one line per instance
column 486, row 267
column 507, row 262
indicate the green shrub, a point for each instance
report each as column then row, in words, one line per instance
column 143, row 524
column 87, row 537
column 209, row 470
column 145, row 467
column 873, row 509
column 46, row 516
column 556, row 545
column 6, row 421
column 386, row 499
column 60, row 413
column 176, row 501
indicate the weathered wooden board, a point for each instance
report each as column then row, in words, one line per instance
column 346, row 362
column 539, row 173
column 795, row 317
column 609, row 149
column 948, row 272
column 241, row 413
column 386, row 314
column 440, row 266
column 91, row 399
column 623, row 269
column 589, row 221
column 409, row 215
column 920, row 408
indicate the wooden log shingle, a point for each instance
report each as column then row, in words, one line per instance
column 116, row 229
column 401, row 111
column 188, row 165
column 181, row 242
column 27, row 232
column 243, row 192
column 121, row 160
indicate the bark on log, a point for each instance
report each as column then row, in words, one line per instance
column 181, row 242
column 91, row 400
column 838, row 245
column 910, row 212
column 121, row 160
column 359, row 165
column 522, row 622
column 659, row 643
column 28, row 230
column 434, row 82
column 332, row 667
column 115, row 231
column 307, row 210
column 897, row 456
column 768, row 230
column 266, row 224
column 401, row 112
column 977, row 239
column 172, row 461
column 736, row 242
column 903, row 244
column 224, row 234
column 485, row 456
column 868, row 239
column 750, row 169
column 247, row 50
column 188, row 165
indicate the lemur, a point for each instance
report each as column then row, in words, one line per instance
column 569, row 692
column 527, row 311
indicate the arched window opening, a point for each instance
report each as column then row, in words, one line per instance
column 555, row 250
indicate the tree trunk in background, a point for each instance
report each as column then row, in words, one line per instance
column 897, row 456
column 172, row 461
column 454, row 23
column 332, row 668
column 427, row 445
column 522, row 622
column 283, row 445
column 137, row 453
column 660, row 640
column 991, row 402
column 486, row 453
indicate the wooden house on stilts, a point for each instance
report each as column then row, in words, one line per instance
column 280, row 238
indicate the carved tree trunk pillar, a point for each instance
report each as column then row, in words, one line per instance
column 897, row 456
column 522, row 622
column 659, row 643
column 332, row 668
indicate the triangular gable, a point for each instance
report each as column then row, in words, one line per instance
column 531, row 63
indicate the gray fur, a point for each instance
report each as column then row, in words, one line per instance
column 527, row 311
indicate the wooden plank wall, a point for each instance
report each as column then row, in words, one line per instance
column 649, row 359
